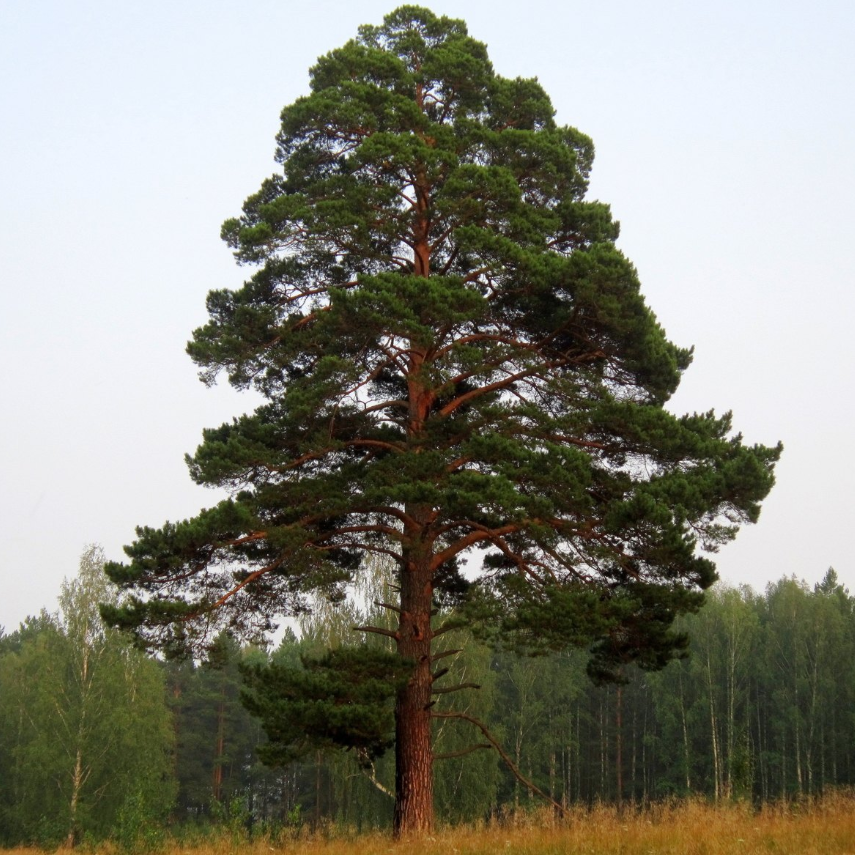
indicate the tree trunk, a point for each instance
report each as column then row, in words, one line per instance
column 552, row 774
column 78, row 775
column 645, row 775
column 76, row 786
column 578, row 750
column 761, row 753
column 413, row 743
column 716, row 754
column 318, row 757
column 685, row 724
column 634, row 750
column 219, row 749
column 413, row 751
column 812, row 717
column 834, row 742
column 731, row 713
column 603, row 750
column 797, row 728
column 619, row 748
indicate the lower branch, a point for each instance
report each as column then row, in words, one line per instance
column 378, row 630
column 445, row 653
column 387, row 606
column 371, row 773
column 456, row 688
column 448, row 626
column 463, row 751
column 504, row 755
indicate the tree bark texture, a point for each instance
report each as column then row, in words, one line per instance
column 413, row 749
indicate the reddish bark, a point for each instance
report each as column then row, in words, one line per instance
column 413, row 750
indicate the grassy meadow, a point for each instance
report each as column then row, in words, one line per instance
column 824, row 827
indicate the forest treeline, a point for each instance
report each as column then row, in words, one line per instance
column 98, row 740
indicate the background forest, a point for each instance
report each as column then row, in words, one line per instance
column 97, row 740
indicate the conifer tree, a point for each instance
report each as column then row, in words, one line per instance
column 457, row 364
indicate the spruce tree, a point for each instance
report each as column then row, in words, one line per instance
column 460, row 373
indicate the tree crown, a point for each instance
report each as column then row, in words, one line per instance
column 458, row 364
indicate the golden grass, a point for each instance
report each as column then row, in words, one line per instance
column 688, row 828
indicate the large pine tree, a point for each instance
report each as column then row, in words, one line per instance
column 458, row 364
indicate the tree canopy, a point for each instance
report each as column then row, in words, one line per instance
column 85, row 736
column 460, row 374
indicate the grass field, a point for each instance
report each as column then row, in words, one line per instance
column 821, row 828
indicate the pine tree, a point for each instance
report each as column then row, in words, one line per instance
column 457, row 362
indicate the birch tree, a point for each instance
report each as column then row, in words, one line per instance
column 92, row 731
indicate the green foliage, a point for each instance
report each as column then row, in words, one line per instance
column 138, row 827
column 457, row 363
column 84, row 729
column 761, row 709
column 541, row 371
column 344, row 698
column 466, row 786
column 233, row 817
column 216, row 760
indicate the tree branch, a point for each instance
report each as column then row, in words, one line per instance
column 480, row 533
column 463, row 751
column 387, row 606
column 378, row 630
column 445, row 653
column 250, row 578
column 503, row 754
column 371, row 773
column 456, row 688
column 447, row 627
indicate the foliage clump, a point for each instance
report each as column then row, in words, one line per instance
column 344, row 698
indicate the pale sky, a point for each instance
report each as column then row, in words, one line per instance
column 129, row 131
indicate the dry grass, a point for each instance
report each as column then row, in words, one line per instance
column 694, row 828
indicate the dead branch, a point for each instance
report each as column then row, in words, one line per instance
column 387, row 606
column 445, row 653
column 463, row 751
column 503, row 754
column 456, row 688
column 378, row 630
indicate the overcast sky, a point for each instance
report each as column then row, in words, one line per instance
column 129, row 131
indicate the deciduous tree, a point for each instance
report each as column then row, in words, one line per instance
column 86, row 731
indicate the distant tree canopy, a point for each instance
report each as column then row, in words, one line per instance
column 761, row 709
column 458, row 365
column 85, row 735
